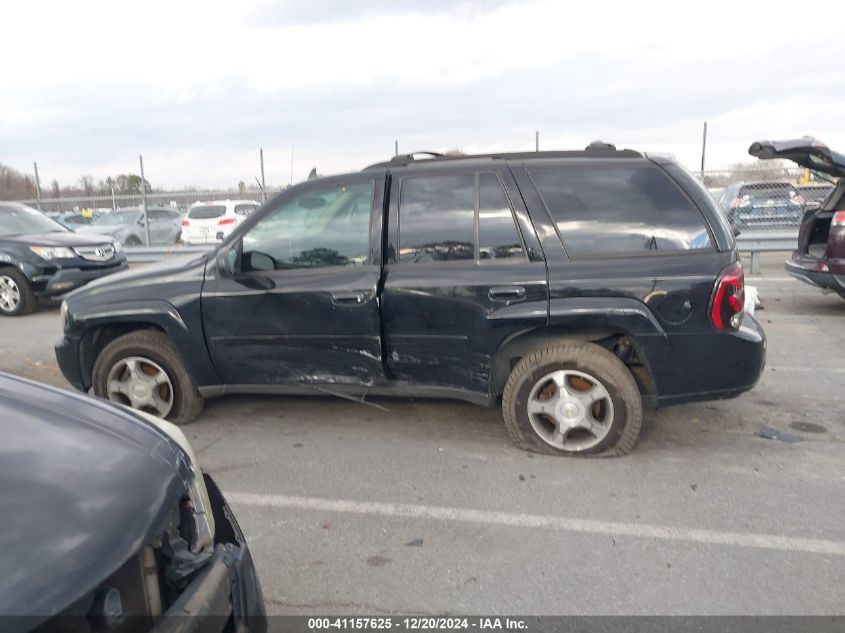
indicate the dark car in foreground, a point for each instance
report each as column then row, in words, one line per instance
column 40, row 258
column 820, row 257
column 109, row 524
column 572, row 286
column 768, row 204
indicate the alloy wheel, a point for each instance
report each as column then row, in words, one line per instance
column 10, row 294
column 141, row 384
column 570, row 410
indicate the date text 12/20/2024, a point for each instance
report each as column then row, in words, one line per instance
column 418, row 624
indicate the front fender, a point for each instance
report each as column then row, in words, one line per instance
column 183, row 329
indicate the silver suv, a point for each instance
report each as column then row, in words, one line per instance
column 127, row 226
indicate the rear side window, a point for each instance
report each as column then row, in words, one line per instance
column 497, row 234
column 436, row 218
column 207, row 212
column 616, row 211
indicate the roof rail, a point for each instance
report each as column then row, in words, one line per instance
column 408, row 158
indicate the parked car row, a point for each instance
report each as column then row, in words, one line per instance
column 770, row 204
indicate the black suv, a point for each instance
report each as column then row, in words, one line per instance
column 40, row 258
column 572, row 285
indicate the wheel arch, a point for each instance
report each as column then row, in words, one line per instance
column 617, row 340
column 99, row 331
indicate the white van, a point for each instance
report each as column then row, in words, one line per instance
column 211, row 222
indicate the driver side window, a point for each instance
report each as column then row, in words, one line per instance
column 318, row 228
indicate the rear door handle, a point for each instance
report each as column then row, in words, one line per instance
column 506, row 293
column 355, row 297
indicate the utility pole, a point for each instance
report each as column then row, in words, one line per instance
column 37, row 185
column 703, row 150
column 537, row 141
column 263, row 185
column 144, row 202
column 396, row 147
column 291, row 166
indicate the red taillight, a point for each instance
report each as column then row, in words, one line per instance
column 798, row 199
column 728, row 300
column 740, row 202
column 185, row 223
column 838, row 219
column 225, row 221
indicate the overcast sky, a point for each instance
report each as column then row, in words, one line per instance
column 198, row 86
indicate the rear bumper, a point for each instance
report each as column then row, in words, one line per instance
column 66, row 279
column 804, row 269
column 722, row 365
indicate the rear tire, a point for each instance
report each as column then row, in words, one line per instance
column 574, row 398
column 16, row 296
column 143, row 370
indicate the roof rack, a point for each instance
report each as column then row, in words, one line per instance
column 593, row 150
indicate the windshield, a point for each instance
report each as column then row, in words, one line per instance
column 764, row 192
column 117, row 218
column 20, row 220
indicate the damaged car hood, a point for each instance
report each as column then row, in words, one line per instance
column 807, row 152
column 83, row 486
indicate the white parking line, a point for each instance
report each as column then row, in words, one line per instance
column 585, row 526
column 818, row 370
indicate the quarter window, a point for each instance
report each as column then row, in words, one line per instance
column 620, row 211
column 317, row 228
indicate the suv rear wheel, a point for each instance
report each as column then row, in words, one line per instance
column 574, row 398
column 143, row 370
column 16, row 296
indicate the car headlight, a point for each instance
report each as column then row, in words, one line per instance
column 53, row 252
column 203, row 519
column 118, row 247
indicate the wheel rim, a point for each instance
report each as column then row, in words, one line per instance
column 570, row 410
column 141, row 384
column 10, row 294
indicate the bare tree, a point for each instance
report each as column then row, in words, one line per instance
column 87, row 184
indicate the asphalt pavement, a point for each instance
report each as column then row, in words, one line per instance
column 425, row 507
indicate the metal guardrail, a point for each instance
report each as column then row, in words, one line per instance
column 755, row 242
column 147, row 255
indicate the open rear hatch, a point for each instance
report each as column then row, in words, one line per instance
column 815, row 155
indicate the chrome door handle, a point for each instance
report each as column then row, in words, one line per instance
column 356, row 297
column 506, row 293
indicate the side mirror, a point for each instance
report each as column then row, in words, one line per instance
column 227, row 261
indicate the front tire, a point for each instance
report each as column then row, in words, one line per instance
column 573, row 398
column 143, row 370
column 16, row 296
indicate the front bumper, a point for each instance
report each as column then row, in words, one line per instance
column 804, row 269
column 67, row 357
column 63, row 280
column 225, row 589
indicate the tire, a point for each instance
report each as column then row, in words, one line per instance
column 142, row 357
column 16, row 296
column 581, row 384
column 133, row 240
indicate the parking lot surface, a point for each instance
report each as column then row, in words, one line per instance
column 425, row 507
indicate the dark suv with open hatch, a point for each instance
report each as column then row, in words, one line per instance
column 573, row 286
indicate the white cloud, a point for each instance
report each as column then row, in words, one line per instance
column 199, row 86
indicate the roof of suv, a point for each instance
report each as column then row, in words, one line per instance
column 597, row 149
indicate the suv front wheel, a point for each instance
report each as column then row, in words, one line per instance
column 143, row 370
column 573, row 398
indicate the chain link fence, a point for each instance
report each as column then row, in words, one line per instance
column 769, row 197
